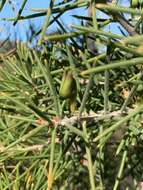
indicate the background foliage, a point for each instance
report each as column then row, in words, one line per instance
column 91, row 139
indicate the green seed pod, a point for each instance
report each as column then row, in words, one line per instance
column 134, row 3
column 68, row 85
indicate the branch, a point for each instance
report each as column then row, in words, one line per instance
column 92, row 116
column 118, row 17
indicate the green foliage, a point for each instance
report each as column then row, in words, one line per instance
column 44, row 145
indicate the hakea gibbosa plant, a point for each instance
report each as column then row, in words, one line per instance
column 71, row 106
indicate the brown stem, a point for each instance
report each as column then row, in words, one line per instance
column 125, row 24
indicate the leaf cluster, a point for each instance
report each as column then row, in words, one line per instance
column 46, row 146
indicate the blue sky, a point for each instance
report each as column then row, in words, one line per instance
column 7, row 28
column 22, row 28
